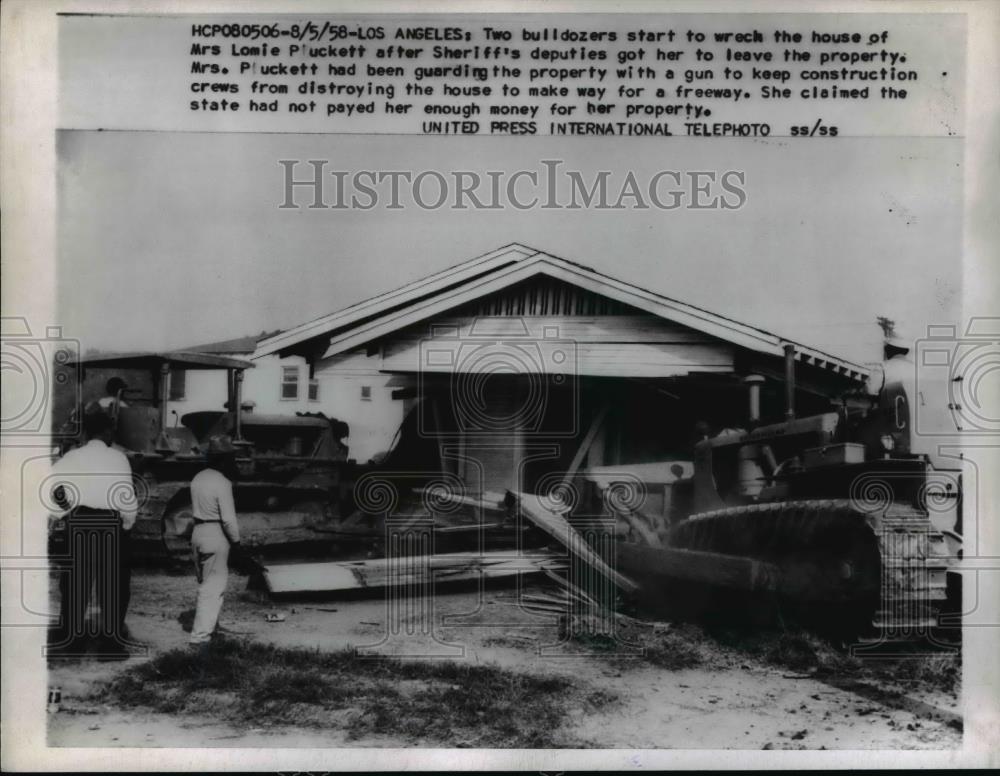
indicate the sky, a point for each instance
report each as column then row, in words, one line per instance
column 169, row 239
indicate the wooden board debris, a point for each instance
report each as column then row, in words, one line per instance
column 559, row 528
column 487, row 501
column 572, row 592
column 382, row 572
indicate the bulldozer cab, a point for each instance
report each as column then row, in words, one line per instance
column 142, row 425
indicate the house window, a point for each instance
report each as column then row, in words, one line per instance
column 313, row 389
column 366, row 393
column 178, row 383
column 289, row 382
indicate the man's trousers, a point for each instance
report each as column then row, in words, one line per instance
column 211, row 557
column 98, row 556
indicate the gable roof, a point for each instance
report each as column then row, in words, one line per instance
column 495, row 271
column 460, row 273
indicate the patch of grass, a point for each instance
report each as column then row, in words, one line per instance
column 681, row 646
column 942, row 672
column 805, row 651
column 678, row 647
column 433, row 703
column 724, row 645
column 672, row 654
column 600, row 699
column 517, row 642
column 795, row 650
column 598, row 642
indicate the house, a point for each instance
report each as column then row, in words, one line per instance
column 520, row 364
column 285, row 386
column 274, row 386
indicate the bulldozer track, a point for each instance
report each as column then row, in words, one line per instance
column 887, row 563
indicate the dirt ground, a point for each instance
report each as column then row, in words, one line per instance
column 729, row 698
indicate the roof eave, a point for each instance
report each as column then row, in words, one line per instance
column 376, row 317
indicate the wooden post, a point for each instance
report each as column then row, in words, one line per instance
column 162, row 444
column 164, row 393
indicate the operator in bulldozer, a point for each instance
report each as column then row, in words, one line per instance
column 114, row 390
column 215, row 539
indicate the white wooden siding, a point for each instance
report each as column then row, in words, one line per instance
column 602, row 346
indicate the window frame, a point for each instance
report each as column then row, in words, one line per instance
column 285, row 372
column 172, row 385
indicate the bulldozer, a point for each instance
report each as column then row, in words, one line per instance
column 289, row 485
column 840, row 516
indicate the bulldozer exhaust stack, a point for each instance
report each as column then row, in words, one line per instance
column 789, row 381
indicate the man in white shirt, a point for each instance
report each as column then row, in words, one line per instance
column 93, row 486
column 215, row 540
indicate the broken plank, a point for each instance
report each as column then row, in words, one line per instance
column 469, row 527
column 531, row 606
column 585, row 445
column 496, row 569
column 571, row 590
column 328, row 580
column 383, row 572
column 559, row 528
column 484, row 501
column 544, row 599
